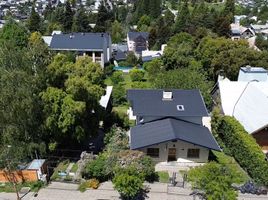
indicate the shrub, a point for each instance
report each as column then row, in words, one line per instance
column 131, row 59
column 136, row 159
column 117, row 77
column 136, row 74
column 139, row 85
column 214, row 179
column 147, row 167
column 163, row 177
column 91, row 183
column 119, row 95
column 244, row 149
column 128, row 184
column 96, row 169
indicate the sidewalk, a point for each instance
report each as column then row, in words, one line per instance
column 68, row 191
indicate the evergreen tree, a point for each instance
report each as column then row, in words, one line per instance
column 81, row 21
column 154, row 8
column 103, row 19
column 152, row 37
column 183, row 18
column 34, row 21
column 229, row 9
column 117, row 32
column 68, row 17
column 48, row 11
column 169, row 18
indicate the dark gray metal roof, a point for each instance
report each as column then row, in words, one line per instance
column 150, row 103
column 171, row 129
column 133, row 35
column 120, row 55
column 80, row 41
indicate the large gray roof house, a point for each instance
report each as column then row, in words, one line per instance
column 170, row 125
column 96, row 45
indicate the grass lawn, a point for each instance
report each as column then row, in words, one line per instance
column 8, row 187
column 74, row 168
column 127, row 83
column 121, row 109
column 163, row 177
column 62, row 166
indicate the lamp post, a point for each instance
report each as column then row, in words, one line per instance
column 242, row 94
column 11, row 175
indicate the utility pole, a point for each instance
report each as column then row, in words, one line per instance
column 11, row 175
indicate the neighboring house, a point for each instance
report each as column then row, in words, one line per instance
column 96, row 45
column 47, row 39
column 34, row 171
column 246, row 100
column 148, row 55
column 258, row 28
column 137, row 41
column 240, row 32
column 169, row 125
column 119, row 51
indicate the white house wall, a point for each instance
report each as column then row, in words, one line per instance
column 181, row 151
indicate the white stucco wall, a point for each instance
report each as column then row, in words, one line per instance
column 181, row 151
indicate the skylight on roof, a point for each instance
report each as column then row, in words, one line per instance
column 180, row 107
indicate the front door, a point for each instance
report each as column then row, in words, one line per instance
column 172, row 154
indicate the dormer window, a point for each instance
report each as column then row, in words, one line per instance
column 180, row 107
column 167, row 95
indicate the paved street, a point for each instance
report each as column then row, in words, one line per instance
column 64, row 191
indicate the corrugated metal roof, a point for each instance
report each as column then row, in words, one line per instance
column 149, row 102
column 171, row 129
column 246, row 101
column 36, row 164
column 252, row 73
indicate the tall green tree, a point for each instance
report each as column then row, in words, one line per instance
column 15, row 33
column 183, row 19
column 192, row 77
column 81, row 21
column 229, row 9
column 179, row 51
column 68, row 17
column 117, row 32
column 71, row 102
column 34, row 21
column 104, row 18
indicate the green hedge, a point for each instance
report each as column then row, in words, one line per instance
column 244, row 149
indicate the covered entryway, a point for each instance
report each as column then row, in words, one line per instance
column 172, row 154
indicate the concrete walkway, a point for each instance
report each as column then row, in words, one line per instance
column 69, row 168
column 68, row 191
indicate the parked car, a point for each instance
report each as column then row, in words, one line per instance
column 252, row 188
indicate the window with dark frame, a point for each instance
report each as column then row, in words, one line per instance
column 153, row 152
column 193, row 153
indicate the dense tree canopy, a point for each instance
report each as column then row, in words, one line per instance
column 71, row 101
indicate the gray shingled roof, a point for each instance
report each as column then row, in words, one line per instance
column 150, row 103
column 171, row 129
column 79, row 41
column 133, row 35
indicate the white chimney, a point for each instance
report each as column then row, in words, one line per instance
column 167, row 95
